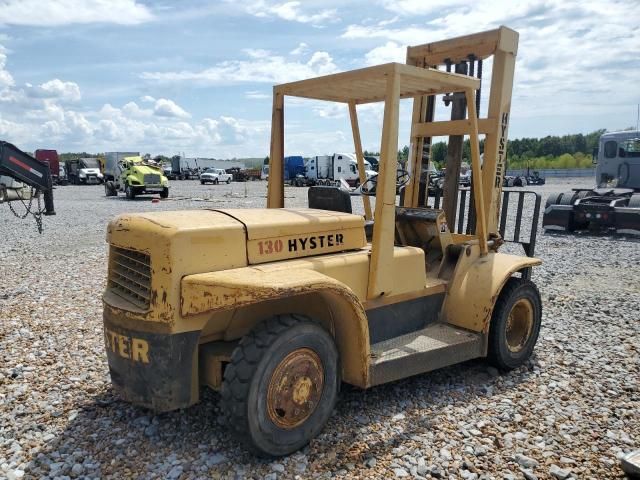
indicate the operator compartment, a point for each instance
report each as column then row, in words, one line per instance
column 283, row 233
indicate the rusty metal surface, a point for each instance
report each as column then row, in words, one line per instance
column 434, row 347
column 519, row 325
column 476, row 284
column 295, row 388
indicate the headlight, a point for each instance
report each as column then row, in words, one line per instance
column 82, row 175
column 100, row 175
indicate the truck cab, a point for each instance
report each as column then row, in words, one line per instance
column 618, row 160
column 329, row 169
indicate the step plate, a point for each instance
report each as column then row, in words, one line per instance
column 434, row 347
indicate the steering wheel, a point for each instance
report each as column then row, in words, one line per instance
column 368, row 187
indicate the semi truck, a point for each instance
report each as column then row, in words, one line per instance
column 329, row 169
column 50, row 157
column 127, row 172
column 614, row 204
column 84, row 171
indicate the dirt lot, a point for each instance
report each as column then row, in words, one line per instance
column 567, row 414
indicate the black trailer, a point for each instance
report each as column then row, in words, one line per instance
column 19, row 166
column 615, row 203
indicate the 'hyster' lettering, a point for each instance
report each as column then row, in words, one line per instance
column 135, row 349
column 304, row 244
column 502, row 150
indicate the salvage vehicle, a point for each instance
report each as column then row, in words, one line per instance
column 277, row 307
column 215, row 176
column 134, row 176
column 614, row 205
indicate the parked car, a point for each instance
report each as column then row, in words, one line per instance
column 215, row 176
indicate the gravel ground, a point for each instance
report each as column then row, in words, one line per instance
column 569, row 413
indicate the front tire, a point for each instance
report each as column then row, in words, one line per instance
column 215, row 182
column 164, row 193
column 281, row 385
column 515, row 324
column 129, row 192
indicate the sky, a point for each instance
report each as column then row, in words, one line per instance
column 196, row 77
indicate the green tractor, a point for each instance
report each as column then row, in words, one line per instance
column 136, row 177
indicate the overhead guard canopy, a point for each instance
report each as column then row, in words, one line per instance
column 367, row 85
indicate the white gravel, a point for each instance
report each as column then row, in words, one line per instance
column 570, row 413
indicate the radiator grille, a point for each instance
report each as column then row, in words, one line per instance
column 151, row 179
column 130, row 276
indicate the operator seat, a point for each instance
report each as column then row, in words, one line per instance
column 336, row 200
column 329, row 198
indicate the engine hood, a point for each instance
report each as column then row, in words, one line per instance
column 198, row 241
column 182, row 243
column 282, row 233
column 145, row 170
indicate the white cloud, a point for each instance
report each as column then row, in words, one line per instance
column 562, row 63
column 420, row 7
column 389, row 52
column 66, row 12
column 31, row 114
column 290, row 11
column 133, row 109
column 256, row 95
column 56, row 88
column 262, row 67
column 6, row 80
column 168, row 108
column 301, row 49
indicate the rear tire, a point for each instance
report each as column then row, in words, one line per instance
column 228, row 181
column 281, row 385
column 568, row 198
column 553, row 199
column 515, row 324
column 215, row 182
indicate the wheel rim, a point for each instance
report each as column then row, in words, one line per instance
column 519, row 325
column 295, row 388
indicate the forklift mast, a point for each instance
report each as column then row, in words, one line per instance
column 22, row 167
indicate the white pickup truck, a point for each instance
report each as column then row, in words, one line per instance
column 215, row 176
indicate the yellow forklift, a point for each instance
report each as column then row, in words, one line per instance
column 276, row 307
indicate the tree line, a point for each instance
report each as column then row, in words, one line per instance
column 567, row 151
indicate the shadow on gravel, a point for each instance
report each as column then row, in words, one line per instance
column 107, row 437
